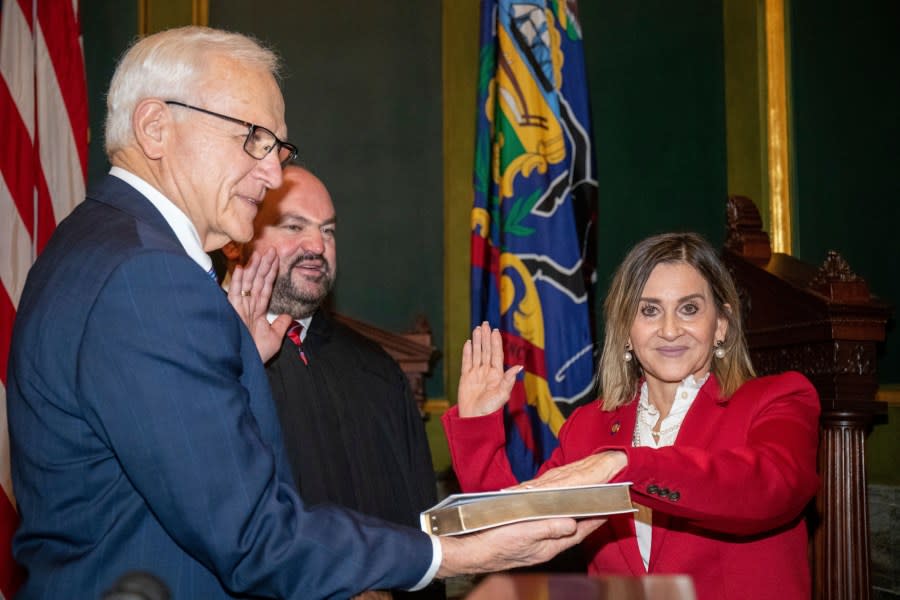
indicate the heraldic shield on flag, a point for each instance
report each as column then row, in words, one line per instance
column 534, row 215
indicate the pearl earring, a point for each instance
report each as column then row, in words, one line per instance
column 628, row 356
column 719, row 351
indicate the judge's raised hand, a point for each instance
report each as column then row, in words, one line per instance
column 483, row 385
column 249, row 293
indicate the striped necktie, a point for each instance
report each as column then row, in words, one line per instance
column 293, row 333
column 212, row 274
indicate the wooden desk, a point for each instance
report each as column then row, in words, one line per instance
column 551, row 586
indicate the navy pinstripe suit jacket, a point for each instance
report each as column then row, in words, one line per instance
column 143, row 433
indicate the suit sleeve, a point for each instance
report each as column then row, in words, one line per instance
column 761, row 482
column 162, row 371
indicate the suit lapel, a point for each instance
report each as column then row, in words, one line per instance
column 698, row 429
column 700, row 424
column 619, row 433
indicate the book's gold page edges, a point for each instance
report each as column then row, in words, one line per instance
column 502, row 510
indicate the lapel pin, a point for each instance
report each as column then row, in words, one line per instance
column 615, row 427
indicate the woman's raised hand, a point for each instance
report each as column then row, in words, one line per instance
column 483, row 385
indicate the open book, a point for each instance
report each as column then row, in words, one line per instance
column 465, row 513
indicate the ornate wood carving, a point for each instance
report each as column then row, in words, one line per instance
column 745, row 233
column 836, row 281
column 412, row 351
column 819, row 359
column 823, row 322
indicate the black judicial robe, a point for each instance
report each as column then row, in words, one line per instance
column 352, row 430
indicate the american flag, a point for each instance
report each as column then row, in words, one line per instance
column 43, row 163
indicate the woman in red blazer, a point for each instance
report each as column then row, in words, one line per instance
column 722, row 463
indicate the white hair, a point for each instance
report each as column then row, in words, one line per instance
column 169, row 65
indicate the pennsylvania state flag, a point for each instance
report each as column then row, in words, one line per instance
column 534, row 215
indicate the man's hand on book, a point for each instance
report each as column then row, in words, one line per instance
column 483, row 385
column 596, row 468
column 512, row 546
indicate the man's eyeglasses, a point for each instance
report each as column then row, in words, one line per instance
column 259, row 142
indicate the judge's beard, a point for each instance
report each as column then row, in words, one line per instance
column 298, row 302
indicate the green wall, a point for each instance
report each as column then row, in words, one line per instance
column 107, row 28
column 363, row 91
column 657, row 89
column 845, row 96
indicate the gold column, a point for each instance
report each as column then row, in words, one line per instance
column 200, row 12
column 156, row 15
column 746, row 121
column 777, row 120
column 459, row 22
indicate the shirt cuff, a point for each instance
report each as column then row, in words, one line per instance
column 437, row 555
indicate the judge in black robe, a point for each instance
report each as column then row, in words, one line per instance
column 353, row 432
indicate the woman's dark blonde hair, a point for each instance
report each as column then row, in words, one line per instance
column 618, row 379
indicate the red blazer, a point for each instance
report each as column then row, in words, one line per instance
column 727, row 498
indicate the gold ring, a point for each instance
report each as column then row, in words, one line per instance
column 245, row 293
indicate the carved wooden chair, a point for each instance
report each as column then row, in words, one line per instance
column 824, row 323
